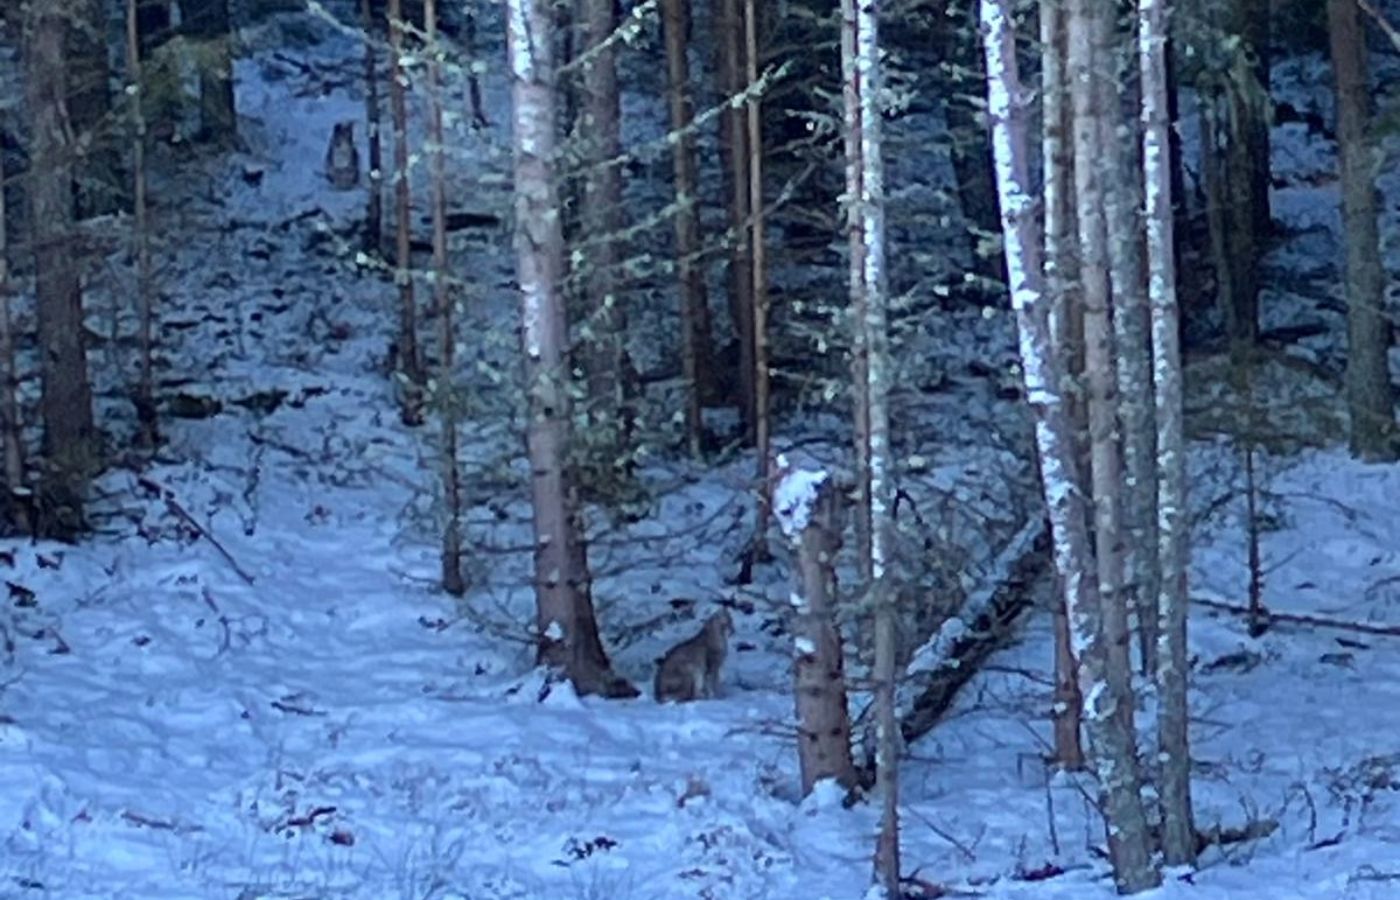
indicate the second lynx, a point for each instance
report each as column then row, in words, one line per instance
column 690, row 670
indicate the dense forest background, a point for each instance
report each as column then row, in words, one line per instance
column 981, row 409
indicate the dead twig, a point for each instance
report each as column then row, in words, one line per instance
column 173, row 505
column 1381, row 21
column 1271, row 617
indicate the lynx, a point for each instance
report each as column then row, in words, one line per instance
column 342, row 158
column 690, row 670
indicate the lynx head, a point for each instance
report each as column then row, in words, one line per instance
column 720, row 625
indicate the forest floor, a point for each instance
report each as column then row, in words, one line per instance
column 295, row 711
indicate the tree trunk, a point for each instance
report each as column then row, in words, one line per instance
column 970, row 143
column 603, row 338
column 734, row 153
column 1369, row 397
column 1066, row 330
column 1106, row 678
column 374, row 210
column 1255, row 17
column 410, row 368
column 152, row 25
column 1132, row 334
column 855, row 240
column 207, row 21
column 568, row 633
column 808, row 508
column 861, row 69
column 1174, row 787
column 70, row 446
column 17, row 501
column 697, row 347
column 144, row 396
column 477, row 108
column 758, row 295
column 446, row 390
column 97, row 169
column 1234, row 148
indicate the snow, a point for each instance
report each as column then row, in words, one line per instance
column 337, row 728
column 795, row 496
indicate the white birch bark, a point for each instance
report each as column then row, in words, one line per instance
column 567, row 630
column 1113, row 749
column 1132, row 342
column 1057, row 195
column 866, row 192
column 1109, row 699
column 1174, row 785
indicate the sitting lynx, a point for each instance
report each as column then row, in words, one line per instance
column 342, row 158
column 690, row 670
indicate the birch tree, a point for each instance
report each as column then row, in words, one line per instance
column 1111, row 696
column 1132, row 325
column 1061, row 279
column 1368, row 338
column 567, row 629
column 865, row 198
column 1174, row 786
column 1112, row 747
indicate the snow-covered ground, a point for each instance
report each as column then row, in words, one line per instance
column 296, row 712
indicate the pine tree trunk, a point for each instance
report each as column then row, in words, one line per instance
column 813, row 527
column 568, row 632
column 207, row 21
column 97, row 168
column 734, row 153
column 17, row 503
column 970, row 142
column 1234, row 150
column 603, row 352
column 410, row 368
column 477, row 108
column 70, row 447
column 445, row 389
column 697, row 340
column 145, row 394
column 1369, row 398
column 1066, row 329
column 1174, row 788
column 1255, row 18
column 374, row 209
column 758, row 293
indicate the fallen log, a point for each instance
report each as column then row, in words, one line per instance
column 963, row 646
